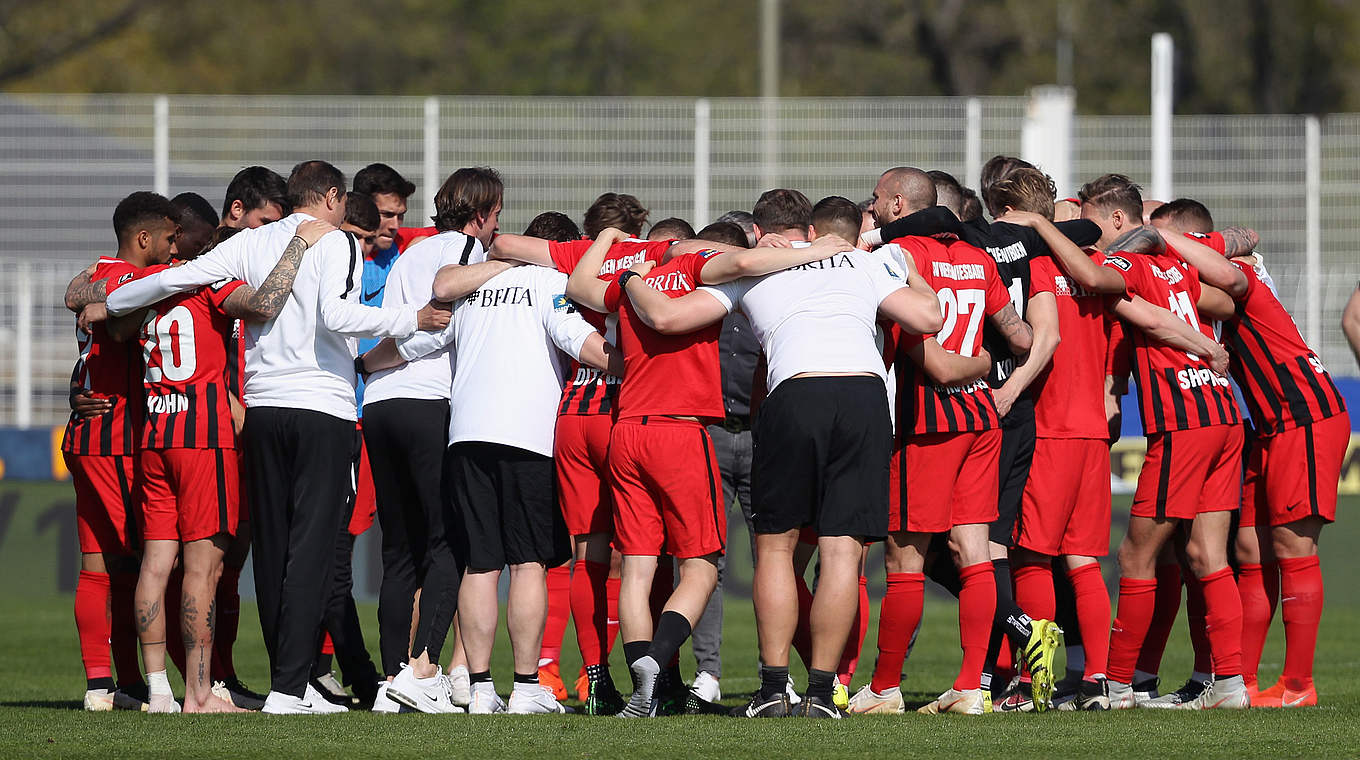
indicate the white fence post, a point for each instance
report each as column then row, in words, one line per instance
column 1312, row 191
column 701, row 134
column 160, row 146
column 23, row 346
column 972, row 144
column 431, row 167
column 1163, row 68
column 1046, row 135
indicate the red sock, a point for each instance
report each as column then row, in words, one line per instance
column 1093, row 617
column 845, row 673
column 1301, row 608
column 977, row 608
column 1258, row 608
column 123, row 628
column 1223, row 621
column 611, row 628
column 1137, row 605
column 589, row 609
column 802, row 635
column 1167, row 604
column 174, row 638
column 228, row 622
column 559, row 609
column 1197, row 622
column 898, row 617
column 92, row 623
column 1034, row 589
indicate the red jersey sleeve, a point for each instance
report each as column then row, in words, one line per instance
column 120, row 279
column 1213, row 239
column 613, row 294
column 692, row 264
column 218, row 291
column 566, row 255
column 1042, row 275
column 1131, row 271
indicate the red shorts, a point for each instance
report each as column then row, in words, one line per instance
column 581, row 460
column 190, row 494
column 1294, row 473
column 365, row 498
column 1066, row 505
column 951, row 479
column 108, row 489
column 1187, row 472
column 667, row 496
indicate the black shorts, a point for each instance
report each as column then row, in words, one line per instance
column 820, row 459
column 505, row 499
column 1017, row 453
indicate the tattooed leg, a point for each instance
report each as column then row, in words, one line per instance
column 202, row 568
column 158, row 559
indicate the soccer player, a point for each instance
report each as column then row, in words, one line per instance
column 256, row 196
column 1298, row 437
column 197, row 220
column 300, row 413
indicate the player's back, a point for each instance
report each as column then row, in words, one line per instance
column 108, row 368
column 1069, row 395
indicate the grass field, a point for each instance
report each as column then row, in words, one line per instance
column 41, row 684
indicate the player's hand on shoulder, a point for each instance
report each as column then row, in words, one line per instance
column 313, row 230
column 434, row 315
column 830, row 244
column 92, row 314
column 1218, row 360
column 643, row 267
column 1022, row 218
column 773, row 240
column 612, row 234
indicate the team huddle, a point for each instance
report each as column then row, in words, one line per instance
column 583, row 405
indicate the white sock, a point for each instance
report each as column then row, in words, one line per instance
column 1140, row 676
column 159, row 684
column 459, row 670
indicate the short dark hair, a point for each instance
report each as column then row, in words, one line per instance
column 381, row 178
column 972, row 206
column 1186, row 213
column 553, row 225
column 782, row 209
column 254, row 186
column 1114, row 192
column 310, row 181
column 140, row 210
column 671, row 228
column 834, row 215
column 195, row 208
column 948, row 191
column 467, row 194
column 619, row 210
column 1024, row 189
column 361, row 211
column 729, row 233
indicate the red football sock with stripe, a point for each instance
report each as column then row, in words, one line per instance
column 977, row 608
column 1301, row 608
column 1223, row 621
column 1167, row 605
column 802, row 635
column 1259, row 587
column 845, row 672
column 123, row 630
column 559, row 610
column 611, row 628
column 589, row 609
column 1093, row 616
column 1197, row 621
column 1137, row 605
column 228, row 623
column 898, row 616
column 92, row 623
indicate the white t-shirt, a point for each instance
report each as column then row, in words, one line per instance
column 411, row 281
column 303, row 358
column 507, row 382
column 818, row 317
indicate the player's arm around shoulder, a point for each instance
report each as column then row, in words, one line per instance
column 906, row 298
column 265, row 302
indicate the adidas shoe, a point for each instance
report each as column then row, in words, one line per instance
column 816, row 707
column 1017, row 698
column 764, row 707
column 240, row 695
column 1220, row 694
column 840, row 695
column 1090, row 696
column 602, row 698
column 550, row 675
column 1187, row 693
column 1044, row 640
column 1146, row 691
column 98, row 700
column 384, row 704
column 531, row 699
column 460, row 684
column 968, row 702
column 427, row 695
column 310, row 703
column 867, row 701
column 706, row 687
column 485, row 700
column 163, row 703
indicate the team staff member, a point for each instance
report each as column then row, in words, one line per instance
column 300, row 413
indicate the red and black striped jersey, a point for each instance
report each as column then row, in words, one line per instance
column 1176, row 389
column 588, row 390
column 186, row 345
column 966, row 282
column 111, row 370
column 1282, row 380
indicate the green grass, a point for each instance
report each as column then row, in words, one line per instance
column 41, row 684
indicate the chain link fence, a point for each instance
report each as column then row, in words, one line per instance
column 66, row 160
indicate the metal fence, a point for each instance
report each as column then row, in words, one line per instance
column 66, row 160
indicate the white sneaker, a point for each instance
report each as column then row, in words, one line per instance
column 530, row 699
column 461, row 685
column 427, row 695
column 162, row 703
column 382, row 703
column 310, row 703
column 326, row 706
column 867, row 701
column 966, row 702
column 1121, row 695
column 485, row 700
column 98, row 700
column 794, row 696
column 1227, row 694
column 706, row 687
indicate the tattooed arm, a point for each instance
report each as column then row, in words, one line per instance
column 1143, row 239
column 264, row 303
column 1015, row 330
column 1239, row 241
column 82, row 291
